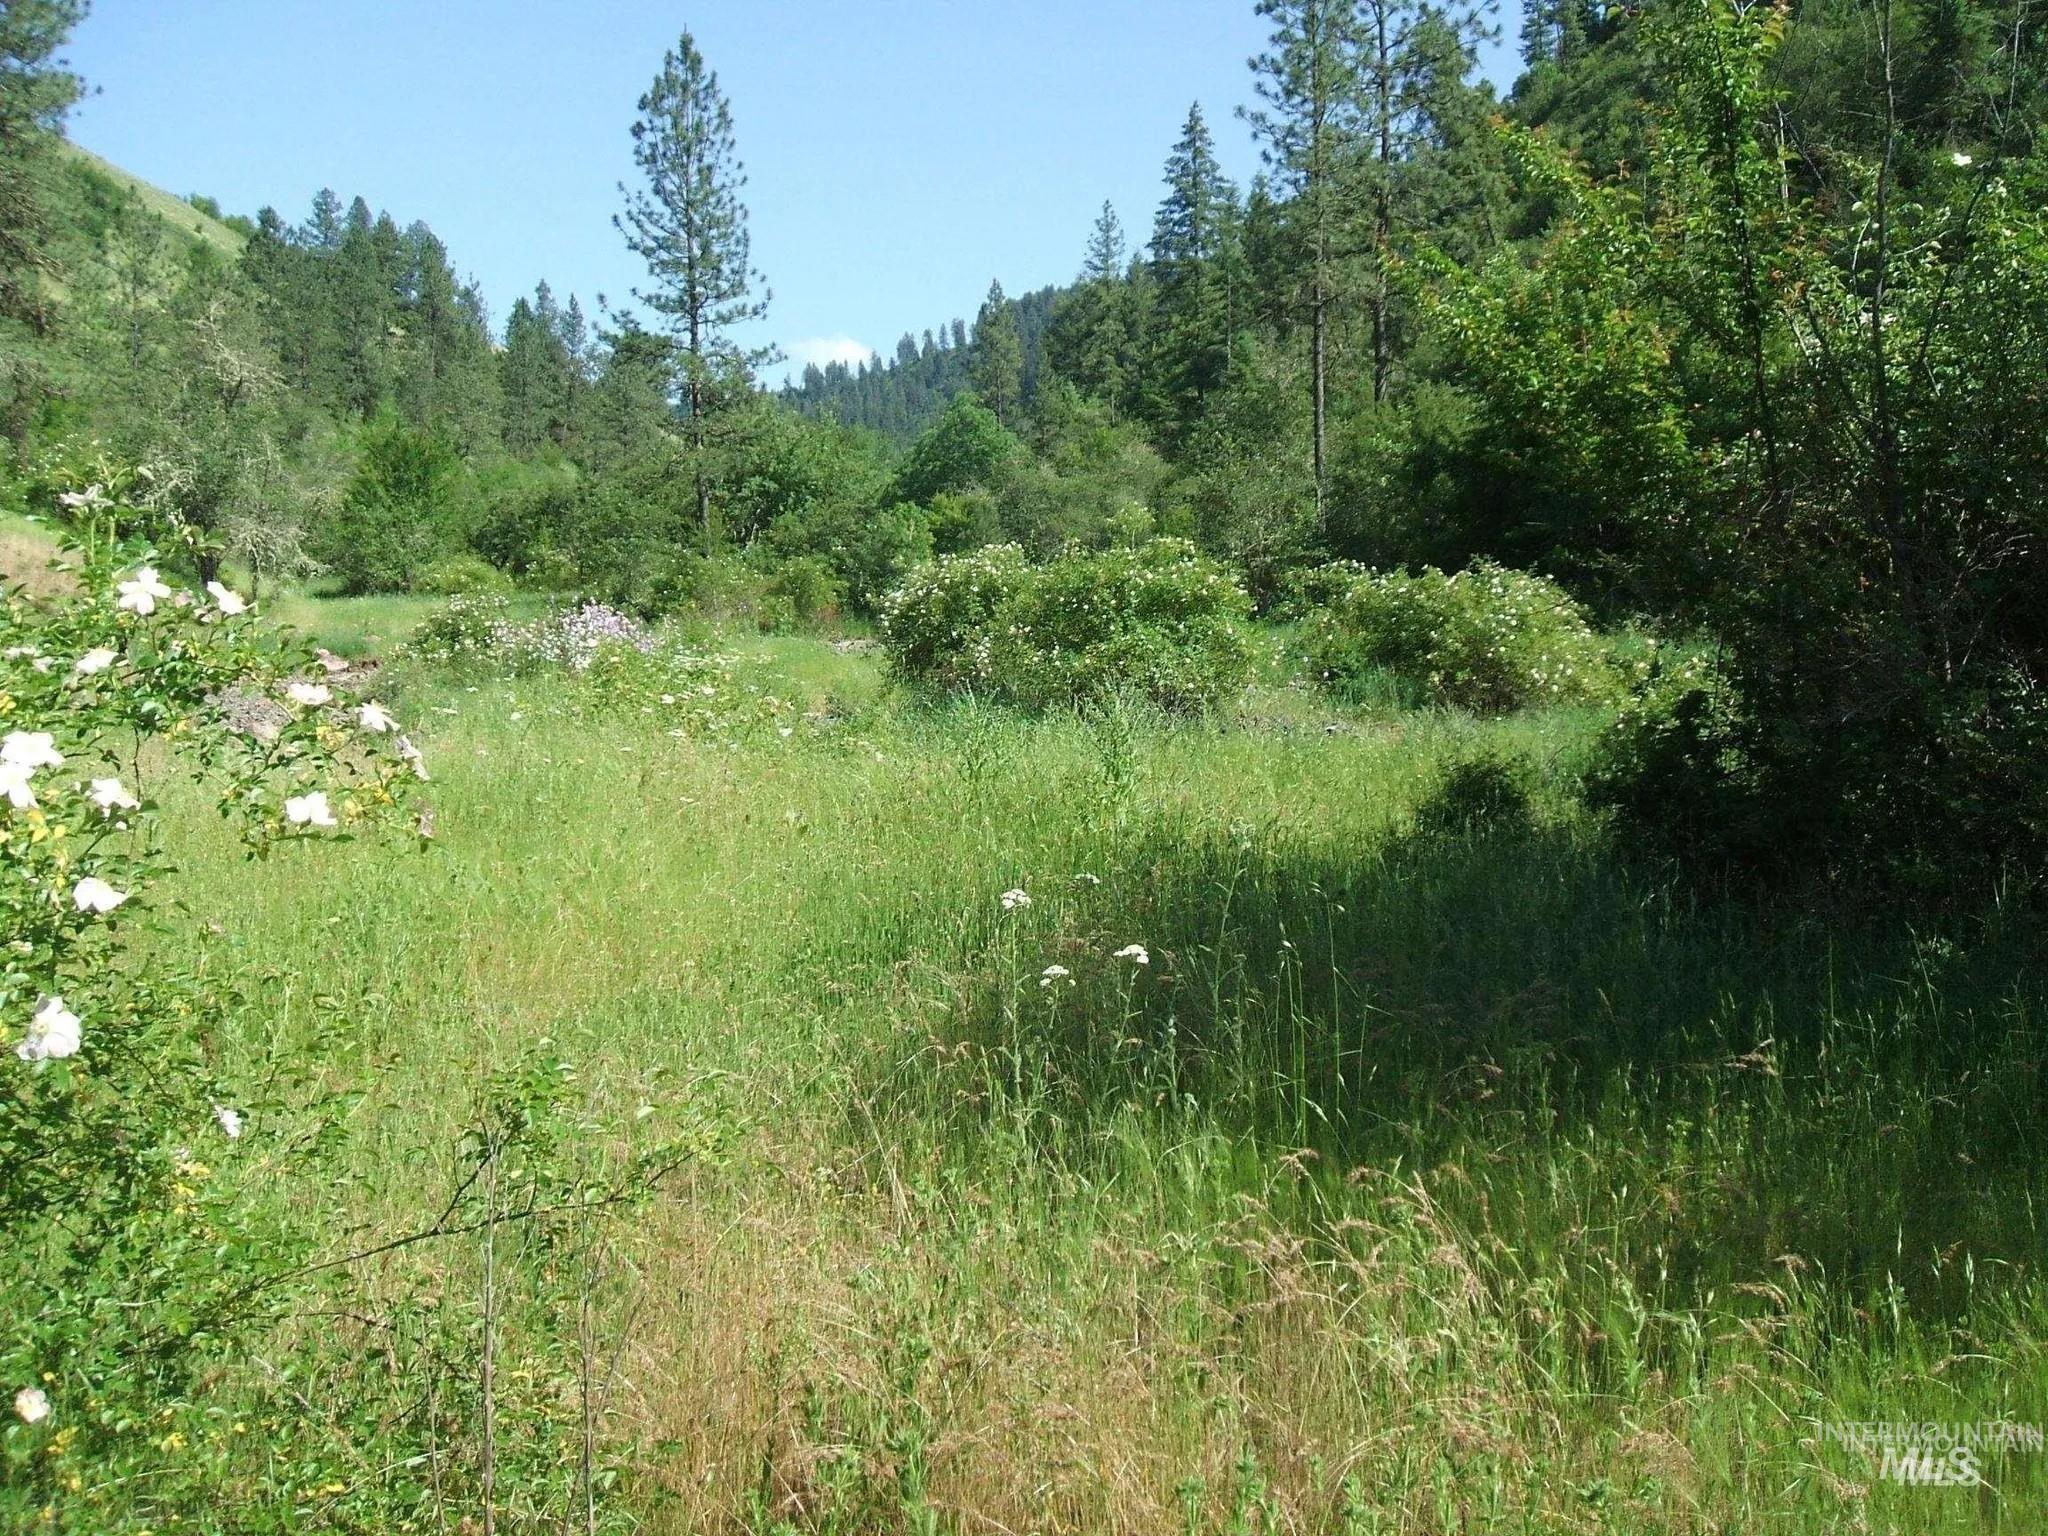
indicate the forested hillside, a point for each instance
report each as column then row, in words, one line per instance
column 899, row 398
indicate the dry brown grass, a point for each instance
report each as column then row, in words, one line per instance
column 25, row 555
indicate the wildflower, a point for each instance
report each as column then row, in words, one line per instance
column 92, row 894
column 140, row 593
column 1052, row 974
column 374, row 717
column 230, row 1121
column 52, row 1032
column 229, row 601
column 31, row 749
column 1087, row 882
column 309, row 695
column 1960, row 160
column 14, row 784
column 109, row 796
column 1014, row 899
column 31, row 1405
column 97, row 659
column 309, row 810
column 1137, row 954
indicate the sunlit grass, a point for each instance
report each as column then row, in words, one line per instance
column 1469, row 1183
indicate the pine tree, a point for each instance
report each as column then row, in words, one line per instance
column 1190, row 337
column 1416, row 59
column 689, row 226
column 36, row 90
column 1088, row 341
column 997, row 369
column 1309, row 80
column 1105, row 261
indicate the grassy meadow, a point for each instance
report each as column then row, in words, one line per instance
column 1423, row 1178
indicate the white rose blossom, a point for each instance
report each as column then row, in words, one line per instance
column 309, row 810
column 110, row 796
column 53, row 1033
column 375, row 717
column 142, row 591
column 92, row 894
column 15, row 786
column 98, row 659
column 31, row 749
column 31, row 1405
column 229, row 601
column 309, row 695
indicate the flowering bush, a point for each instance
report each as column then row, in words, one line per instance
column 1160, row 619
column 1488, row 639
column 620, row 666
column 131, row 1252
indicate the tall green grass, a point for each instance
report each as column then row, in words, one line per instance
column 1461, row 1182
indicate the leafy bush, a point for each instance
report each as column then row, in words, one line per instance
column 466, row 626
column 1160, row 620
column 1484, row 792
column 1488, row 639
column 806, row 590
column 391, row 522
column 139, row 1256
column 462, row 573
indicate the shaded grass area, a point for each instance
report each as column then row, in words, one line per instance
column 1418, row 1183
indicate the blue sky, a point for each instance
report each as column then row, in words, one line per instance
column 900, row 153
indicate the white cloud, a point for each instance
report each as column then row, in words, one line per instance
column 825, row 350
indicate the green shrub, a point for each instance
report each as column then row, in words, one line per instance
column 1160, row 620
column 806, row 589
column 1488, row 639
column 392, row 521
column 460, row 574
column 468, row 626
column 1483, row 792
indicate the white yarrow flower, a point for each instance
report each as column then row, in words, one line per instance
column 309, row 695
column 109, row 796
column 1137, row 954
column 98, row 659
column 225, row 598
column 142, row 591
column 31, row 1405
column 92, row 894
column 52, row 1033
column 31, row 749
column 230, row 1121
column 375, row 717
column 309, row 810
column 1053, row 973
column 1014, row 899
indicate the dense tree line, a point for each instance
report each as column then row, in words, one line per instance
column 1632, row 326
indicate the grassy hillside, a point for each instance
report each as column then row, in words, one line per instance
column 178, row 215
